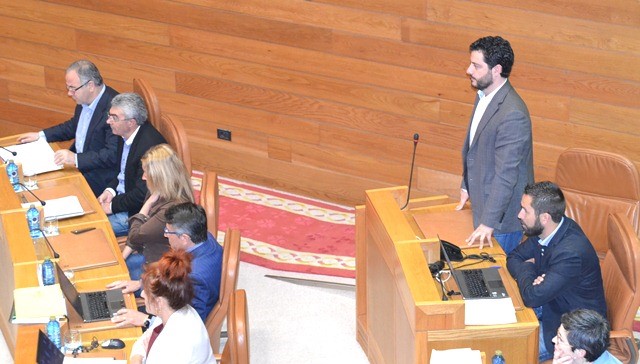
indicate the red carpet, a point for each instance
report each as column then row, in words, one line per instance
column 288, row 232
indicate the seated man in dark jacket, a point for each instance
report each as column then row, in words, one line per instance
column 557, row 268
column 94, row 149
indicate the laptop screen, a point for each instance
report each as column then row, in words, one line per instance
column 48, row 353
column 69, row 290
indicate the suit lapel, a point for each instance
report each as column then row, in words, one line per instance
column 492, row 108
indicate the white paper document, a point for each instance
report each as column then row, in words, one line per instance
column 35, row 157
column 60, row 208
column 489, row 311
column 463, row 355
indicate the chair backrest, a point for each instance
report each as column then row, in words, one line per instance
column 228, row 284
column 209, row 200
column 238, row 328
column 174, row 133
column 621, row 278
column 595, row 184
column 144, row 89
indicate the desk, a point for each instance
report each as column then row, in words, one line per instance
column 19, row 259
column 400, row 316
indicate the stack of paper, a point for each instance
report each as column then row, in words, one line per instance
column 34, row 305
column 489, row 311
column 464, row 355
column 36, row 157
column 60, row 208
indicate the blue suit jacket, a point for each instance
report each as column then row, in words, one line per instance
column 572, row 276
column 206, row 271
column 499, row 163
column 98, row 162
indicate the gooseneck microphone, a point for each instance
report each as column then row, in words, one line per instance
column 55, row 254
column 42, row 202
column 416, row 137
column 10, row 151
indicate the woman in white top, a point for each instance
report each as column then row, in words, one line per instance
column 177, row 335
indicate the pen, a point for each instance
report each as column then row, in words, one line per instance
column 80, row 231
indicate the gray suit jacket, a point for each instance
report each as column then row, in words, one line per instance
column 499, row 163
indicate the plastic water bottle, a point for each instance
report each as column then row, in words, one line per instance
column 498, row 358
column 48, row 277
column 33, row 220
column 12, row 171
column 53, row 331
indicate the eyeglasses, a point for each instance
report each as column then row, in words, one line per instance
column 116, row 118
column 74, row 89
column 169, row 232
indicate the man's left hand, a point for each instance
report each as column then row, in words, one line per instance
column 482, row 234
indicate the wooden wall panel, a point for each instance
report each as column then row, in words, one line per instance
column 323, row 97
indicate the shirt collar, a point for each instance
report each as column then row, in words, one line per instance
column 95, row 101
column 490, row 96
column 545, row 241
column 132, row 137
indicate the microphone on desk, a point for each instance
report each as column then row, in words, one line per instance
column 10, row 151
column 55, row 254
column 416, row 137
column 42, row 202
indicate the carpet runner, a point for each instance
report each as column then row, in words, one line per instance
column 286, row 232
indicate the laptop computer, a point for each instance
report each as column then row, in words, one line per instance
column 91, row 306
column 476, row 283
column 47, row 352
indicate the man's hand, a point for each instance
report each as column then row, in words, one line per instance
column 538, row 280
column 64, row 156
column 126, row 286
column 126, row 317
column 28, row 137
column 105, row 201
column 481, row 234
column 464, row 197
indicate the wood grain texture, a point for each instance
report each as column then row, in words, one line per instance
column 335, row 89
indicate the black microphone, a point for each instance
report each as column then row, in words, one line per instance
column 416, row 137
column 10, row 151
column 55, row 254
column 42, row 202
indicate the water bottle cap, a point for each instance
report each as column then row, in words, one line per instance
column 52, row 318
column 32, row 206
column 9, row 161
column 498, row 352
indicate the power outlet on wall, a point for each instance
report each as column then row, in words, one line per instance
column 224, row 134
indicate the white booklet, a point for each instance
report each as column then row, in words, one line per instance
column 35, row 157
column 60, row 208
column 489, row 311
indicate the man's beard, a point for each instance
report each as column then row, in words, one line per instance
column 484, row 82
column 534, row 230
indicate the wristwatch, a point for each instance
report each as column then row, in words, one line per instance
column 147, row 322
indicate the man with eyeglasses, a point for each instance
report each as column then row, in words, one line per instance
column 186, row 229
column 583, row 337
column 125, row 193
column 94, row 149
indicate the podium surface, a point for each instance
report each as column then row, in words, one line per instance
column 400, row 314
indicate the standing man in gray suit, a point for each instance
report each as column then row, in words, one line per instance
column 497, row 155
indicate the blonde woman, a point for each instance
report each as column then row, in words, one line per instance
column 169, row 184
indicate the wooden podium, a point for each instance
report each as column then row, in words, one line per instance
column 400, row 314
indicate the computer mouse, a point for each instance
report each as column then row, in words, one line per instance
column 113, row 344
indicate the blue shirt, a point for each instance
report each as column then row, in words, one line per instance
column 607, row 358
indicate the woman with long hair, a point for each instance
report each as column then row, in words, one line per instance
column 177, row 335
column 169, row 184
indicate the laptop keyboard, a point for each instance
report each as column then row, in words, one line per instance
column 474, row 280
column 98, row 305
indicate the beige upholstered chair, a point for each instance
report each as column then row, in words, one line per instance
column 209, row 199
column 621, row 276
column 144, row 89
column 228, row 284
column 174, row 133
column 595, row 184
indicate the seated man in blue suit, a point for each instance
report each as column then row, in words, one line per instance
column 186, row 230
column 94, row 149
column 557, row 268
